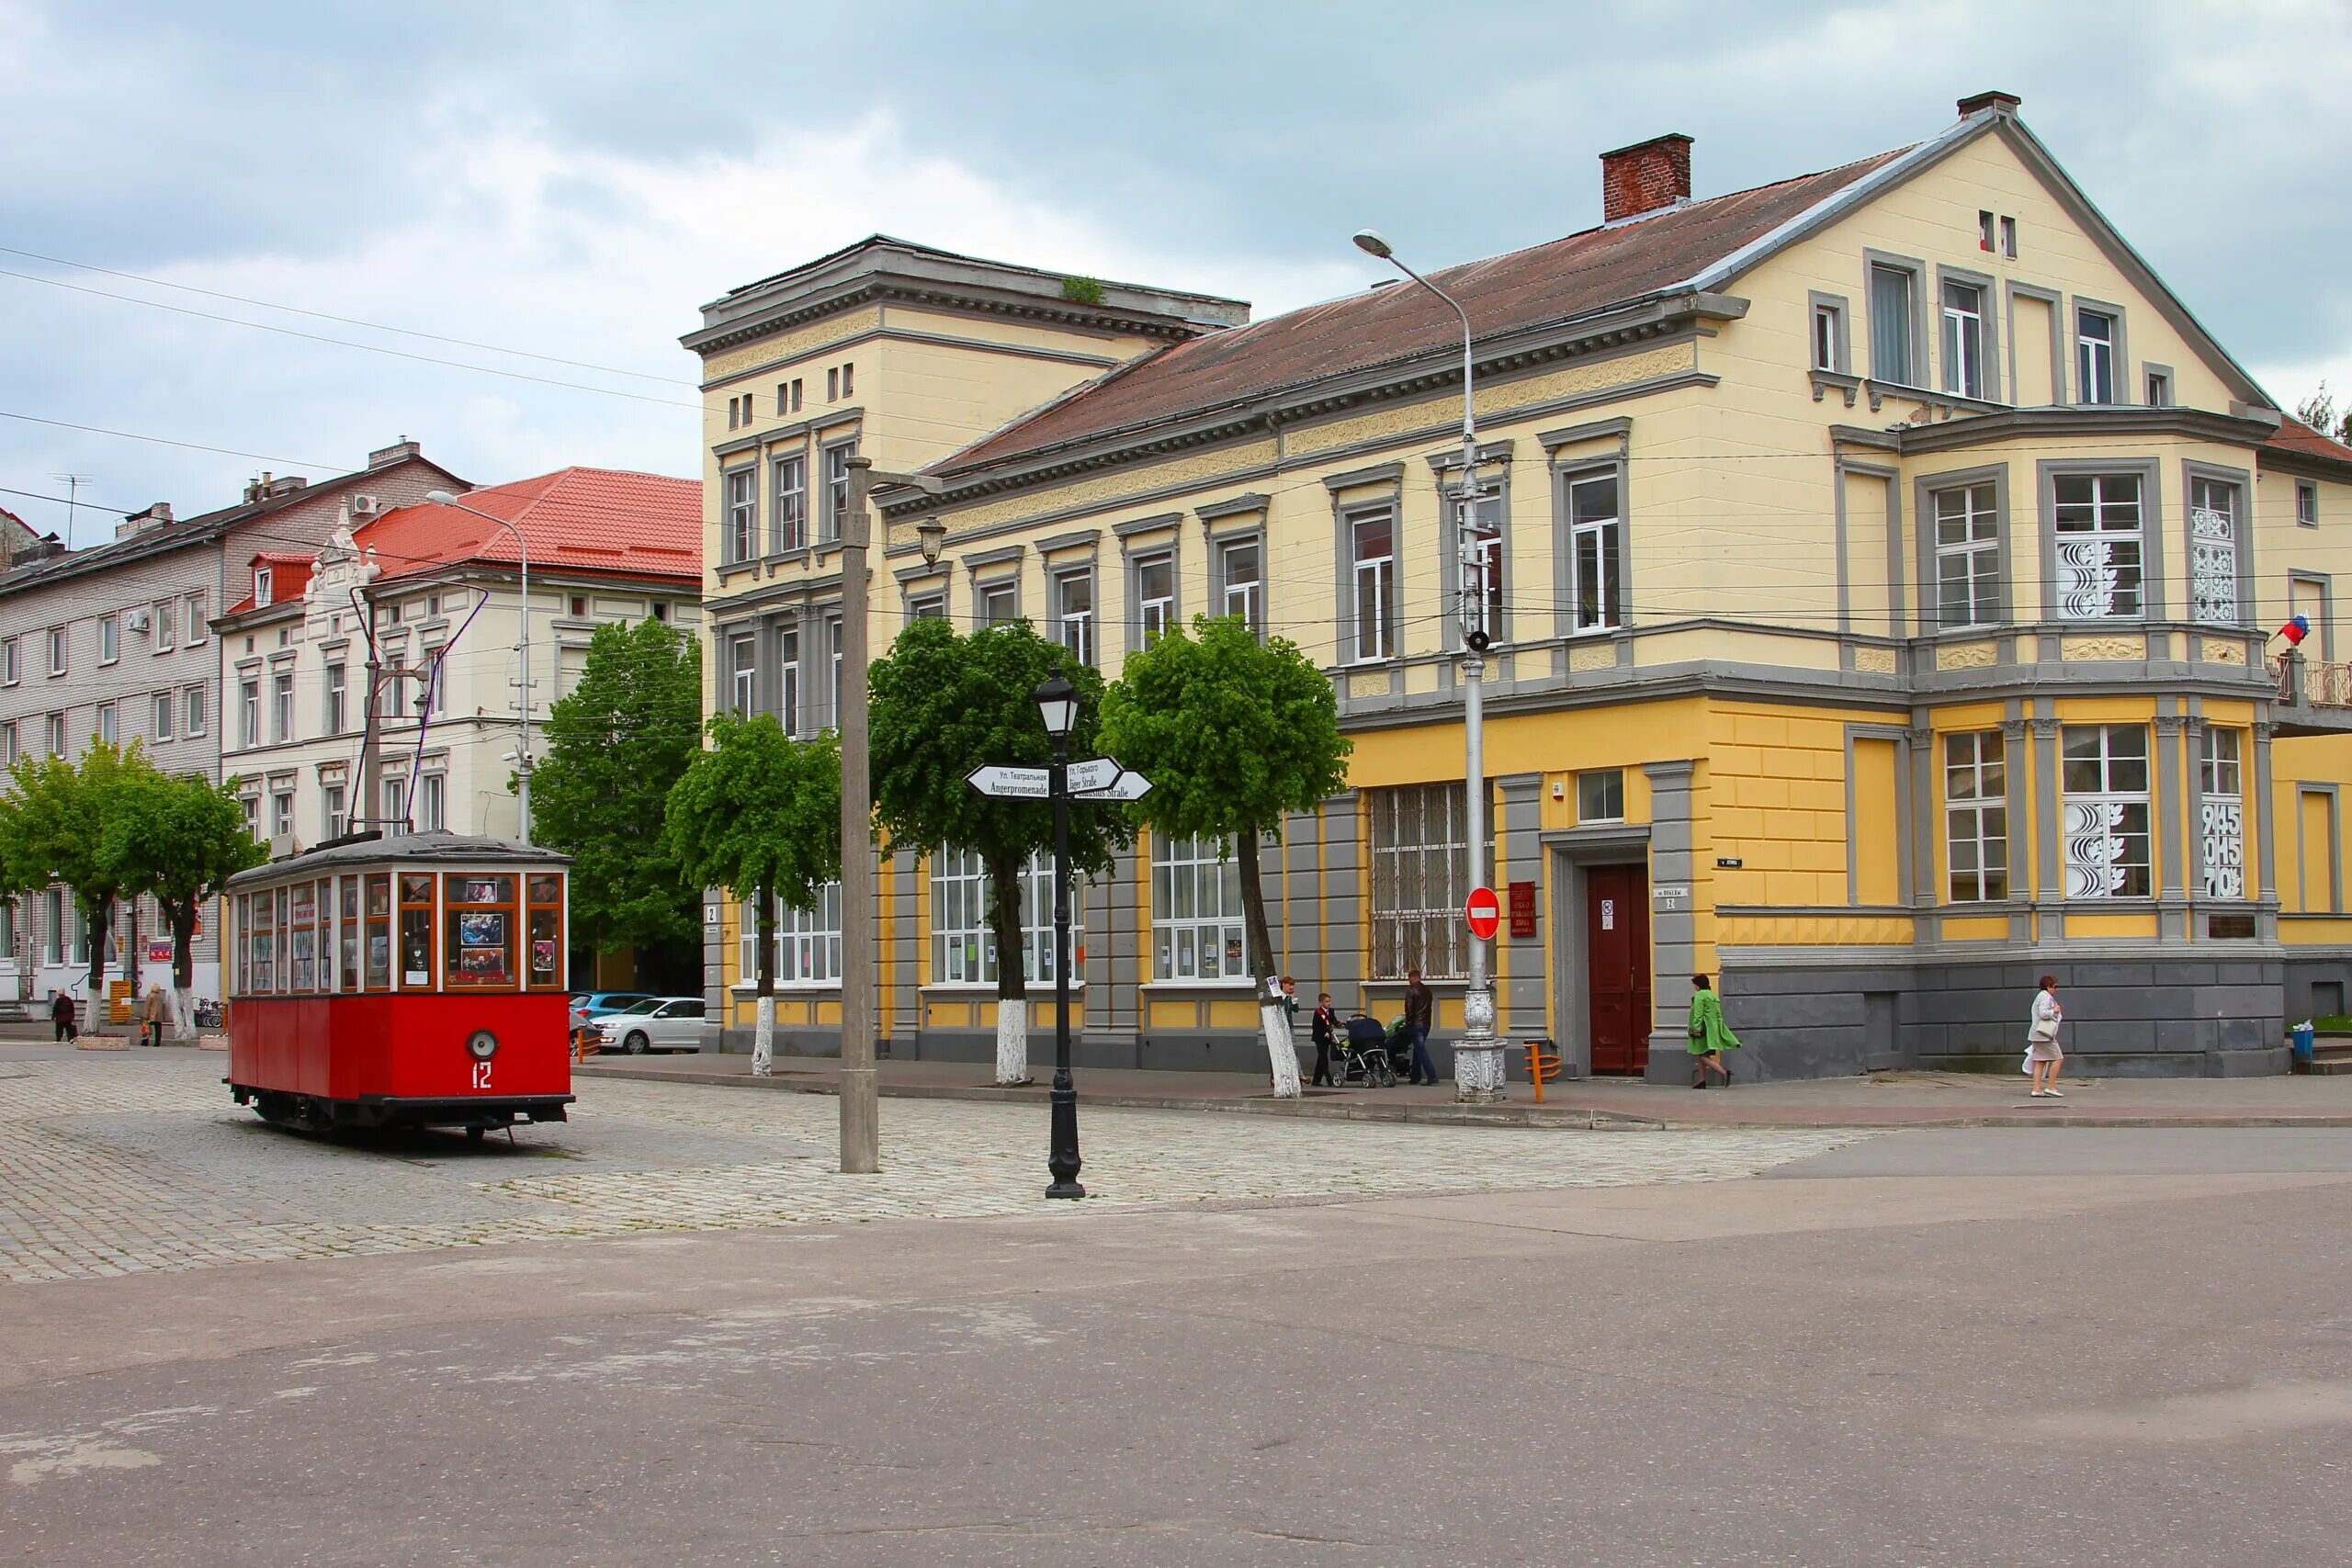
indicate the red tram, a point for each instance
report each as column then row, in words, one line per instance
column 408, row 979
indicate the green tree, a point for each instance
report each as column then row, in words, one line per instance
column 759, row 814
column 2319, row 412
column 945, row 704
column 1233, row 734
column 617, row 743
column 177, row 839
column 53, row 829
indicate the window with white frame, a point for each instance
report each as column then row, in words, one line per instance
column 963, row 945
column 282, row 814
column 789, row 516
column 194, row 709
column 1371, row 547
column 2212, row 551
column 787, row 670
column 1968, row 556
column 10, row 746
column 162, row 622
column 742, row 514
column 836, row 489
column 1894, row 353
column 807, row 942
column 2105, row 774
column 11, row 661
column 2009, row 238
column 437, row 680
column 1074, row 613
column 834, row 651
column 432, row 801
column 395, row 803
column 2094, row 355
column 1197, row 929
column 2306, row 513
column 331, row 809
column 263, row 579
column 164, row 703
column 927, row 607
column 1963, row 314
column 1154, row 597
column 249, row 711
column 56, row 737
column 1828, row 337
column 2158, row 384
column 281, row 705
column 192, row 621
column 110, row 638
column 109, row 727
column 337, row 693
column 57, row 650
column 1420, row 874
column 743, row 676
column 2097, row 526
column 252, row 806
column 1600, row 796
column 2220, row 813
column 1977, row 816
column 1480, row 564
column 1240, row 586
column 1000, row 602
column 1596, row 551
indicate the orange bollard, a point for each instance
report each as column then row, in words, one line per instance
column 1541, row 1064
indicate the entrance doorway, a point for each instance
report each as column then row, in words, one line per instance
column 1617, row 966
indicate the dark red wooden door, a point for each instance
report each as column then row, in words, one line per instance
column 1617, row 966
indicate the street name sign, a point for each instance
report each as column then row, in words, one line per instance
column 1127, row 787
column 1087, row 778
column 1484, row 911
column 1022, row 783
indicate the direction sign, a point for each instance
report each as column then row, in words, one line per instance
column 1085, row 778
column 1483, row 911
column 1023, row 783
column 1127, row 787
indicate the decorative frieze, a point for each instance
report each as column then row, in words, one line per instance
column 1967, row 656
column 2086, row 650
column 1875, row 661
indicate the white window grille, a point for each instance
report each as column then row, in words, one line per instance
column 2095, row 356
column 2213, row 552
column 807, row 942
column 1968, row 556
column 1241, row 584
column 963, row 945
column 1197, row 928
column 2106, row 812
column 1596, row 545
column 1372, row 541
column 2097, row 525
column 1977, row 816
column 282, row 814
column 1963, row 339
column 1420, row 874
column 2221, row 810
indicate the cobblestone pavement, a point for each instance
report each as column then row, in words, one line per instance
column 119, row 1162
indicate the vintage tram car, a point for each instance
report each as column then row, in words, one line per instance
column 408, row 979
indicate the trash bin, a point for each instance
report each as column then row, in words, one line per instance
column 2305, row 1038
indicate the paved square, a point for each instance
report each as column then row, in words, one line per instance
column 115, row 1164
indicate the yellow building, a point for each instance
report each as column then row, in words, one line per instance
column 1882, row 567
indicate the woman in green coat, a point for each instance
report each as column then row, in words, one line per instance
column 1709, row 1036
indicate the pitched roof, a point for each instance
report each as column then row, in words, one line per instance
column 595, row 520
column 289, row 574
column 1581, row 275
column 2294, row 439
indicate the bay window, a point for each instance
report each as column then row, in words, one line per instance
column 2105, row 815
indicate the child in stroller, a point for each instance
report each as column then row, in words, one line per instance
column 1367, row 1051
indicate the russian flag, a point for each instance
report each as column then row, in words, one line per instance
column 2295, row 630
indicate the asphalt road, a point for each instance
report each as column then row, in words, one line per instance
column 2056, row 1346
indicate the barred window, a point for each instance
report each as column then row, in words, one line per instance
column 1421, row 875
column 1196, row 926
column 1977, row 816
column 963, row 946
column 807, row 942
column 2106, row 813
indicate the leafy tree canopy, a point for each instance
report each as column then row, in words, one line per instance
column 177, row 839
column 618, row 742
column 2319, row 412
column 759, row 812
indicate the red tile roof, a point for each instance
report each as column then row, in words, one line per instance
column 2296, row 437
column 289, row 574
column 595, row 520
column 1573, row 277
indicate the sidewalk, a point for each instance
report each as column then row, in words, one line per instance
column 1884, row 1100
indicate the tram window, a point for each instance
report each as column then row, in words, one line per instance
column 347, row 933
column 304, row 935
column 244, row 943
column 416, row 929
column 481, row 930
column 547, row 932
column 278, row 947
column 258, row 942
column 379, row 930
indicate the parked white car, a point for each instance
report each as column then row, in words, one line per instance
column 657, row 1024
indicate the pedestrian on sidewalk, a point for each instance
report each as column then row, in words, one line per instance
column 2044, row 1056
column 151, row 1014
column 1710, row 1035
column 61, row 1015
column 1325, row 1027
column 1420, row 1011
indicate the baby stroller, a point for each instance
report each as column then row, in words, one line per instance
column 1364, row 1055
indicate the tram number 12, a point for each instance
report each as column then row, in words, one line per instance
column 481, row 1074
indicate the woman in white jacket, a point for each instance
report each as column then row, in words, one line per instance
column 2043, row 1057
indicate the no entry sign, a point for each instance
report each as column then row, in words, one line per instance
column 1483, row 911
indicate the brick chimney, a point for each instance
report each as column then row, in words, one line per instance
column 384, row 457
column 1645, row 177
column 2003, row 104
column 154, row 516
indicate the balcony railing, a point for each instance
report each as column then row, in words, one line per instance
column 2312, row 683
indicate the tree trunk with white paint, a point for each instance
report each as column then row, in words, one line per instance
column 1012, row 974
column 1012, row 1040
column 1273, row 1011
column 763, row 1031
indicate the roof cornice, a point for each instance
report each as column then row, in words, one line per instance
column 877, row 288
column 1979, row 430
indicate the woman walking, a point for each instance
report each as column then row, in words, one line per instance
column 1710, row 1035
column 2043, row 1057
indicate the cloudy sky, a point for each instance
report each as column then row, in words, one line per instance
column 571, row 181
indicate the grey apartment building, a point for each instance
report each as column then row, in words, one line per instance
column 114, row 642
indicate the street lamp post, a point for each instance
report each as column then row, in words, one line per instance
column 521, row 648
column 1478, row 1055
column 1057, row 704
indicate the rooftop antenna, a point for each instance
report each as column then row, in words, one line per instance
column 73, row 483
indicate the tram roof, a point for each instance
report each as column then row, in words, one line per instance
column 431, row 846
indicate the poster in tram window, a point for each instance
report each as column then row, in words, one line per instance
column 545, row 890
column 416, row 887
column 482, row 963
column 482, row 927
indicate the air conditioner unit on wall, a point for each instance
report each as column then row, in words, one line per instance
column 365, row 506
column 139, row 619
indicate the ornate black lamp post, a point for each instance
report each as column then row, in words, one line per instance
column 1058, row 702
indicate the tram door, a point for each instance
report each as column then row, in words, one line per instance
column 1617, row 966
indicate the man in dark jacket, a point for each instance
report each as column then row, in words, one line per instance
column 60, row 1015
column 1420, row 1011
